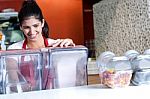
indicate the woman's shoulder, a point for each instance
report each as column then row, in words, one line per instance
column 17, row 45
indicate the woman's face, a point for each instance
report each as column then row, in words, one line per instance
column 32, row 28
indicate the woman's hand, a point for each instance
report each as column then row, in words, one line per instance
column 61, row 43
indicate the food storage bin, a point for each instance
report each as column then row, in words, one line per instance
column 41, row 69
column 69, row 66
column 114, row 71
column 22, row 70
column 141, row 69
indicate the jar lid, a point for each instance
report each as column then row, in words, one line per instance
column 107, row 54
column 104, row 58
column 119, row 58
column 131, row 54
column 140, row 57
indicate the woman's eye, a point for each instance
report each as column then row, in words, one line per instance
column 25, row 27
column 35, row 25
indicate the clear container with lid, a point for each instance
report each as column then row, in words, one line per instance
column 141, row 67
column 69, row 66
column 114, row 71
column 21, row 70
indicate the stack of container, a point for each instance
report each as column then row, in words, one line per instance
column 120, row 71
column 141, row 68
column 41, row 69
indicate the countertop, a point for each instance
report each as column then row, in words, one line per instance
column 85, row 92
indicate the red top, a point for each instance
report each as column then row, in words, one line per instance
column 25, row 43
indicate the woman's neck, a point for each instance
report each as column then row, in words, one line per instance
column 36, row 44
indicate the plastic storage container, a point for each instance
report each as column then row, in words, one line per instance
column 141, row 67
column 41, row 69
column 69, row 66
column 22, row 71
column 114, row 71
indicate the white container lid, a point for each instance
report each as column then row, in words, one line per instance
column 131, row 54
column 104, row 58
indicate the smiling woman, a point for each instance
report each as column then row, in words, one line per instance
column 35, row 29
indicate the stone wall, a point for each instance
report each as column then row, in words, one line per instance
column 121, row 25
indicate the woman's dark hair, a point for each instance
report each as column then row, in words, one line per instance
column 30, row 8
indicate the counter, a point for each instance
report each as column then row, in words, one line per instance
column 85, row 92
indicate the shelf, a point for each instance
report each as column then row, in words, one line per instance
column 8, row 15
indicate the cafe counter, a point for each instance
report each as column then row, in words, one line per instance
column 95, row 91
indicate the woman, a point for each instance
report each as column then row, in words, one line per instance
column 35, row 29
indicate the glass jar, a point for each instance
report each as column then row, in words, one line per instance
column 116, row 72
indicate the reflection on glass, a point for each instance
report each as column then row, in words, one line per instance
column 15, row 82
